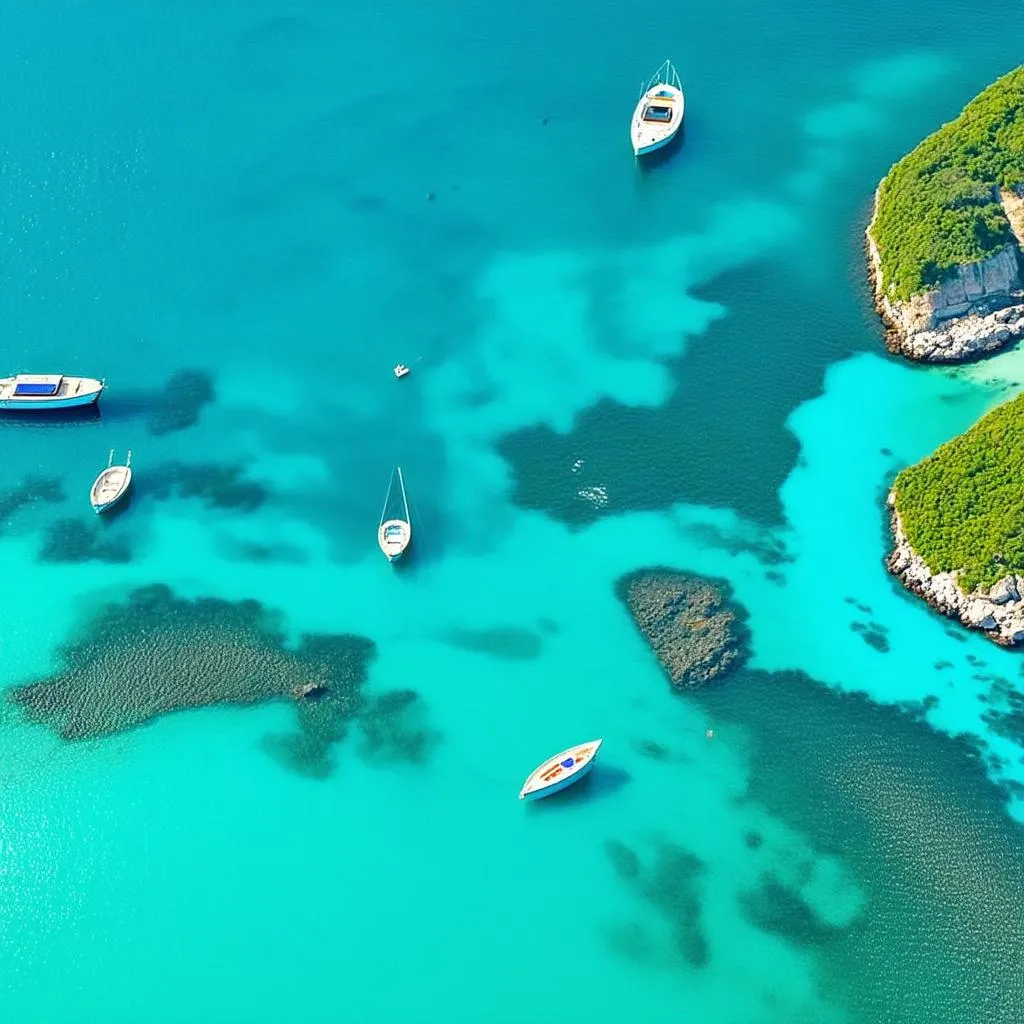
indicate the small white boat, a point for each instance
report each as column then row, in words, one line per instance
column 659, row 113
column 560, row 771
column 112, row 484
column 394, row 535
column 401, row 370
column 47, row 391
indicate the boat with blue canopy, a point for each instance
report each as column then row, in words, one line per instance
column 560, row 771
column 38, row 391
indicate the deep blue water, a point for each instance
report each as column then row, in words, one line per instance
column 613, row 367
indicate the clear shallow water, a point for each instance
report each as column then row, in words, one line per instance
column 206, row 188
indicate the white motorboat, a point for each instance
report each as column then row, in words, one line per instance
column 37, row 391
column 560, row 771
column 659, row 112
column 112, row 484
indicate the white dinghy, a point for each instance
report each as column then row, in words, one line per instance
column 659, row 113
column 112, row 484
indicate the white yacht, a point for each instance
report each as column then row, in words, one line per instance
column 659, row 112
column 37, row 391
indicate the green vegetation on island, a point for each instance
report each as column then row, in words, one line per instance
column 939, row 206
column 963, row 507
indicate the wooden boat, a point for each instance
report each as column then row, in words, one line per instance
column 659, row 111
column 40, row 391
column 112, row 484
column 394, row 535
column 560, row 771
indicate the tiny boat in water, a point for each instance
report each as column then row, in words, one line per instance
column 401, row 370
column 560, row 771
column 394, row 535
column 36, row 391
column 112, row 484
column 659, row 113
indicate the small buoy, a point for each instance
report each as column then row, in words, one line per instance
column 710, row 734
column 401, row 370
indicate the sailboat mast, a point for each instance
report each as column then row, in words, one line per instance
column 405, row 503
column 387, row 498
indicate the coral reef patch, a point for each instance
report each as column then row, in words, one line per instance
column 693, row 629
column 32, row 490
column 216, row 485
column 156, row 653
column 181, row 401
column 74, row 540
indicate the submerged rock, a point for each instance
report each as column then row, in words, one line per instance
column 694, row 631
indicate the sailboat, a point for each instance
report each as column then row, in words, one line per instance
column 394, row 535
column 659, row 111
column 112, row 484
column 560, row 771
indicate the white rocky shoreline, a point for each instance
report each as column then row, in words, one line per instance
column 997, row 611
column 976, row 311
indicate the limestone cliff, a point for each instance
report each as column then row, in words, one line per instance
column 997, row 611
column 976, row 310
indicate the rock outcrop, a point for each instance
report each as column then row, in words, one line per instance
column 975, row 311
column 694, row 631
column 997, row 611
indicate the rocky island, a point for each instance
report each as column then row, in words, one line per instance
column 689, row 621
column 957, row 520
column 944, row 242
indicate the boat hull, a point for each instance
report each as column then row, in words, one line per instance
column 557, row 787
column 393, row 537
column 103, row 506
column 45, row 404
column 655, row 146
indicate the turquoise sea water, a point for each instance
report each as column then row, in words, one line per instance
column 612, row 368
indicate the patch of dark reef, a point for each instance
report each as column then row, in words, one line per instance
column 216, row 485
column 670, row 883
column 509, row 642
column 912, row 815
column 180, row 403
column 33, row 490
column 690, row 622
column 156, row 653
column 768, row 549
column 874, row 634
column 394, row 728
column 774, row 907
column 924, row 831
column 696, row 448
column 75, row 540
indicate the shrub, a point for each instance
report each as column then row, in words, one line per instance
column 939, row 206
column 963, row 507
